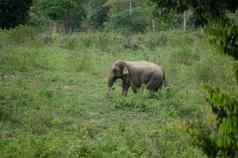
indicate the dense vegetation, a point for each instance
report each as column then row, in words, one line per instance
column 53, row 78
column 14, row 12
column 54, row 103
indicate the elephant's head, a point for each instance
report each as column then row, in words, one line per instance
column 119, row 70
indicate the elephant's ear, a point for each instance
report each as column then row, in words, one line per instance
column 125, row 71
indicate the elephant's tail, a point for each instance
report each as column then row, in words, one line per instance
column 165, row 82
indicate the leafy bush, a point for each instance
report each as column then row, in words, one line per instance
column 129, row 21
column 225, row 107
column 4, row 41
column 21, row 34
column 216, row 135
column 224, row 38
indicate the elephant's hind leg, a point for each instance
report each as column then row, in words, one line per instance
column 154, row 84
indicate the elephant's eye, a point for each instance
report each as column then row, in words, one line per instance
column 114, row 70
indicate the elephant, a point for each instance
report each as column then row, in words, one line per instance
column 136, row 73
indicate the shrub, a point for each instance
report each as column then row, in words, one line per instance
column 21, row 34
column 126, row 21
column 224, row 38
column 225, row 106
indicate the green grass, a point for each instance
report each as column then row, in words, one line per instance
column 53, row 99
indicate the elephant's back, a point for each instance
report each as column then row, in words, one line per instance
column 145, row 66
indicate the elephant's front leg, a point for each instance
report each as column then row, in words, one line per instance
column 125, row 88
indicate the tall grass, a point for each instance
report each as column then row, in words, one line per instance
column 53, row 99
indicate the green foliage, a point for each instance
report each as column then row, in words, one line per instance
column 21, row 34
column 82, row 62
column 126, row 21
column 22, row 59
column 17, row 99
column 185, row 56
column 53, row 99
column 220, row 137
column 14, row 12
column 236, row 71
column 166, row 20
column 96, row 13
column 58, row 9
column 225, row 38
column 109, row 15
column 67, row 12
column 69, row 42
column 224, row 106
column 146, row 102
column 204, row 10
column 129, row 16
column 100, row 40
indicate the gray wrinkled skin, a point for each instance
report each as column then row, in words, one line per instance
column 136, row 73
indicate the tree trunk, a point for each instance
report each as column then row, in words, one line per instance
column 52, row 26
column 67, row 23
column 184, row 21
column 130, row 7
column 153, row 25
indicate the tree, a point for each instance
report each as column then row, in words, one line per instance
column 225, row 106
column 225, row 37
column 223, row 140
column 96, row 13
column 204, row 10
column 14, row 12
column 70, row 12
column 129, row 15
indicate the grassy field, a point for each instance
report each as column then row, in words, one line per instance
column 53, row 99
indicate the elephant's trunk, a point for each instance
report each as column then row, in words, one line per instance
column 111, row 81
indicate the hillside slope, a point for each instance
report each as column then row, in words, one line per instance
column 53, row 99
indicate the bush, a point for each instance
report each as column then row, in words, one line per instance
column 125, row 21
column 224, row 38
column 21, row 35
column 225, row 106
column 4, row 40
